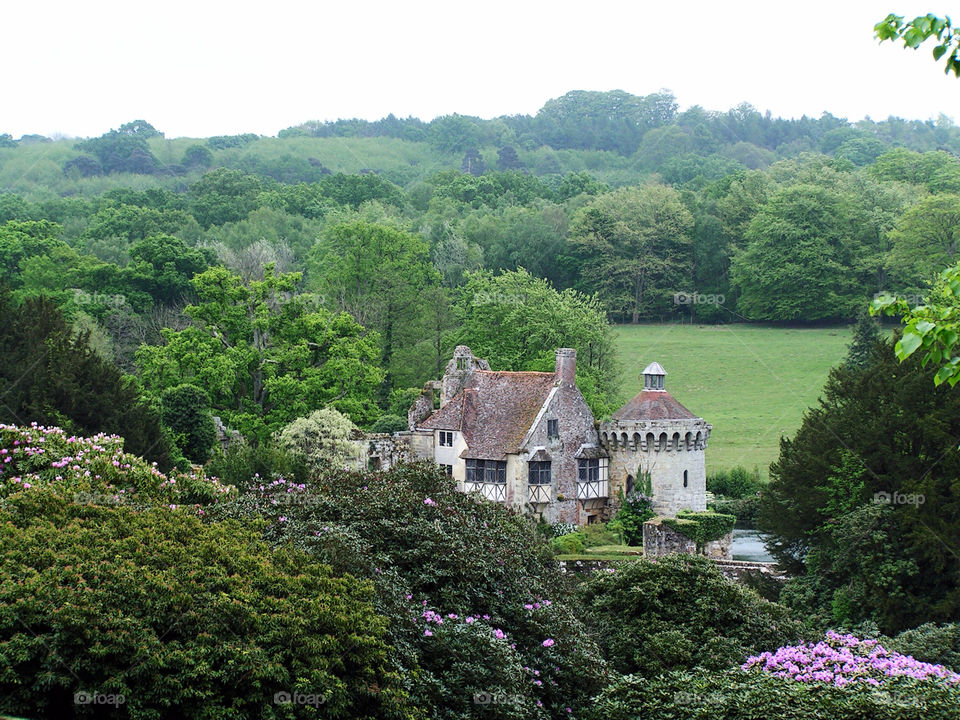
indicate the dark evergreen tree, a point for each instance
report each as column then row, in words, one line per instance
column 186, row 411
column 473, row 162
column 864, row 503
column 50, row 375
column 866, row 334
column 507, row 158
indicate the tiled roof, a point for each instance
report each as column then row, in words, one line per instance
column 494, row 411
column 653, row 405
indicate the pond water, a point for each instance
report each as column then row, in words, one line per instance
column 748, row 545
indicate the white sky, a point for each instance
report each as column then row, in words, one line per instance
column 211, row 68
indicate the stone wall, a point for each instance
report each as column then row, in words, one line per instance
column 734, row 570
column 382, row 451
column 738, row 570
column 588, row 566
column 660, row 540
column 666, row 449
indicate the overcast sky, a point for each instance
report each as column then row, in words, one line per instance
column 205, row 68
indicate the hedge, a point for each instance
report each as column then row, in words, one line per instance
column 701, row 527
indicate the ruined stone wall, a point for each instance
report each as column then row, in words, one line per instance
column 382, row 451
column 421, row 444
column 422, row 407
column 660, row 540
column 458, row 371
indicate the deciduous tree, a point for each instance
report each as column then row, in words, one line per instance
column 636, row 249
column 265, row 354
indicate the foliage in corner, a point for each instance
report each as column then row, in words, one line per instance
column 917, row 31
column 933, row 327
column 180, row 617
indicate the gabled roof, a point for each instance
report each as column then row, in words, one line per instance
column 653, row 405
column 494, row 411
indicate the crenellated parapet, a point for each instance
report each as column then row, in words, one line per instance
column 682, row 435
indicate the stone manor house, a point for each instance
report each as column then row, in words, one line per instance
column 529, row 440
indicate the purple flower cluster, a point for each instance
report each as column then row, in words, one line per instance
column 844, row 659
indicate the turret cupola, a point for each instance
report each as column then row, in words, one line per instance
column 653, row 376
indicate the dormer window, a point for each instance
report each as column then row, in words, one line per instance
column 446, row 438
column 553, row 430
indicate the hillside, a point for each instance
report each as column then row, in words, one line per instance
column 752, row 383
column 513, row 235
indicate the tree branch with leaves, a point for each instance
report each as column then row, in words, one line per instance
column 917, row 31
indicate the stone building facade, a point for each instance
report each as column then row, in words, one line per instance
column 526, row 439
column 529, row 440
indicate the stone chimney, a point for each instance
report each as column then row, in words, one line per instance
column 566, row 370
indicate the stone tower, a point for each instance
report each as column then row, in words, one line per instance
column 655, row 434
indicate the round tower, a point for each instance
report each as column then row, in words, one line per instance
column 655, row 436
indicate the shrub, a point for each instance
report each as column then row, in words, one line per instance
column 844, row 659
column 701, row 527
column 571, row 544
column 679, row 612
column 182, row 618
column 241, row 465
column 635, row 510
column 743, row 509
column 930, row 643
column 389, row 424
column 736, row 483
column 763, row 584
column 431, row 549
column 322, row 438
column 94, row 470
column 735, row 695
column 598, row 534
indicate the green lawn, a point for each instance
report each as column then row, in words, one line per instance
column 751, row 383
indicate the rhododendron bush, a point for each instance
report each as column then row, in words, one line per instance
column 94, row 470
column 180, row 617
column 677, row 613
column 841, row 678
column 477, row 606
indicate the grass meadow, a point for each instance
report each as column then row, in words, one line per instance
column 752, row 383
